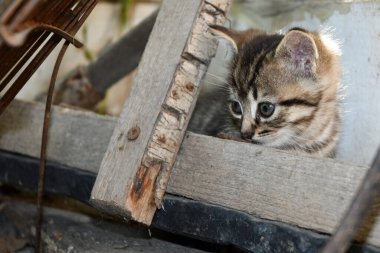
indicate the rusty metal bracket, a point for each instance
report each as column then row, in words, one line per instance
column 30, row 30
column 44, row 143
column 19, row 21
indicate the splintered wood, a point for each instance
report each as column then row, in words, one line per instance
column 134, row 173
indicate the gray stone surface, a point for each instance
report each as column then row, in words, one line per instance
column 65, row 231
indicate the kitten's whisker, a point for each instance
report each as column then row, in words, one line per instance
column 217, row 85
column 217, row 77
column 299, row 145
column 296, row 141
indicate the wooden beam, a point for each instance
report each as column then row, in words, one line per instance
column 184, row 217
column 136, row 167
column 73, row 141
column 272, row 184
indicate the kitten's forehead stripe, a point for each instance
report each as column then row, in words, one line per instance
column 265, row 46
column 255, row 93
column 250, row 60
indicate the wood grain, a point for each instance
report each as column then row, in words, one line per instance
column 300, row 190
column 134, row 173
column 304, row 191
column 77, row 138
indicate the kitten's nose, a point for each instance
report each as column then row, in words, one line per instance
column 247, row 134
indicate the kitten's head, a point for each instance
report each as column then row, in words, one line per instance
column 279, row 84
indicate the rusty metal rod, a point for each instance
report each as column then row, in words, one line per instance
column 67, row 25
column 43, row 156
column 22, row 62
column 28, row 72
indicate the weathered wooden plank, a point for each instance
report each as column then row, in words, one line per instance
column 73, row 141
column 272, row 184
column 136, row 167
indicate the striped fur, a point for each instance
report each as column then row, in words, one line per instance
column 299, row 75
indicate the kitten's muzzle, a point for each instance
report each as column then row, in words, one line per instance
column 247, row 134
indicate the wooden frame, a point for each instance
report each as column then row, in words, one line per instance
column 269, row 184
column 136, row 167
column 304, row 191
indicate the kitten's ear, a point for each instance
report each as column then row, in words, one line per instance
column 231, row 36
column 299, row 52
column 235, row 38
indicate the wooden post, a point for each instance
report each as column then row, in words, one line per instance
column 136, row 167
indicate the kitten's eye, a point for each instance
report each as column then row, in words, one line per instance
column 266, row 109
column 236, row 108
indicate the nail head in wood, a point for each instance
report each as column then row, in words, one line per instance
column 133, row 133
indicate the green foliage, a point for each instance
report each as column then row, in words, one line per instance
column 124, row 12
column 87, row 53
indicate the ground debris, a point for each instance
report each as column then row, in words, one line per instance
column 65, row 231
column 9, row 244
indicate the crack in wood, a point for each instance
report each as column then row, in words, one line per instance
column 222, row 7
column 198, row 52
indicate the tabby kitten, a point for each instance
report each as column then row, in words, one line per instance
column 282, row 92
